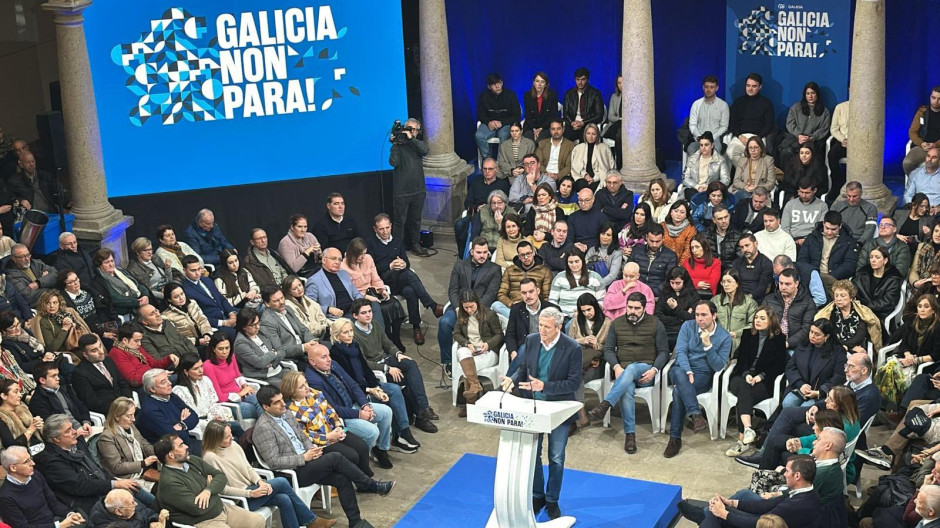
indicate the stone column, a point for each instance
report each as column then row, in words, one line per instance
column 638, row 127
column 867, row 109
column 96, row 220
column 445, row 173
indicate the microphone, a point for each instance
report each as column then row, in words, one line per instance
column 501, row 400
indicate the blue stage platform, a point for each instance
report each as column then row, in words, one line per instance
column 463, row 498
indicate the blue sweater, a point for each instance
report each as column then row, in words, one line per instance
column 691, row 354
column 32, row 505
column 318, row 381
column 157, row 418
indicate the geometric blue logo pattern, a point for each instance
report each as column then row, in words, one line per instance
column 757, row 33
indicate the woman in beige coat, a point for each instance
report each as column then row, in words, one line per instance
column 122, row 452
column 600, row 156
column 186, row 315
column 754, row 169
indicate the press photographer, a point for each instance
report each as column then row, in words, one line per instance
column 408, row 188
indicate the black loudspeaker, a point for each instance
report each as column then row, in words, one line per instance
column 52, row 139
column 55, row 96
column 427, row 239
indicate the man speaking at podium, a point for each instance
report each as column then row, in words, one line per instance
column 551, row 370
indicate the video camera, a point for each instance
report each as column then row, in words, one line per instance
column 398, row 136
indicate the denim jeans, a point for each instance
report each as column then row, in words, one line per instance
column 145, row 497
column 684, row 401
column 484, row 133
column 500, row 308
column 792, row 400
column 377, row 433
column 294, row 513
column 249, row 407
column 514, row 364
column 397, row 403
column 623, row 390
column 557, row 441
column 445, row 333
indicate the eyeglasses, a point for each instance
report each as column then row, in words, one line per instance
column 886, row 224
column 526, row 255
column 529, row 163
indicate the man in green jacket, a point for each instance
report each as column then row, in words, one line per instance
column 161, row 338
column 189, row 489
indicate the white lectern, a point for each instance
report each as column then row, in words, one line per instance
column 521, row 420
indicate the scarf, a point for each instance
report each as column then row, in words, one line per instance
column 351, row 351
column 175, row 249
column 17, row 420
column 121, row 284
column 132, row 351
column 30, row 341
column 10, row 369
column 676, row 230
column 545, row 216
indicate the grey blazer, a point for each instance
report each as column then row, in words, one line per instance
column 281, row 338
column 252, row 359
column 274, row 446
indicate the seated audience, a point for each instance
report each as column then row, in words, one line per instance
column 267, row 267
column 163, row 412
column 321, row 423
column 497, row 109
column 97, row 380
column 332, row 287
column 800, row 307
column 17, row 425
column 855, row 324
column 860, row 215
column 914, row 221
column 723, row 239
column 879, row 283
column 751, row 114
column 489, row 220
column 255, row 352
column 198, row 393
column 802, row 167
column 20, row 344
column 762, row 357
column 591, row 159
column 182, row 475
column 12, row 300
column 478, row 337
column 708, row 114
column 394, row 268
column 555, row 253
column 800, row 215
column 604, row 257
column 542, row 214
column 53, row 396
column 589, row 328
column 31, row 277
column 831, row 250
column 70, row 257
column 923, row 179
column 522, row 193
column 704, row 269
column 220, row 452
column 660, row 199
column 678, row 230
column 566, row 195
column 576, row 280
column 186, row 315
column 541, row 106
column 898, row 251
column 749, row 216
column 735, row 308
column 217, row 309
column 205, row 236
column 615, row 300
column 704, row 204
column 520, row 319
column 74, row 476
column 554, row 155
column 705, row 166
column 119, row 507
column 511, row 152
column 307, row 312
column 808, row 123
column 57, row 326
column 130, row 358
column 282, row 328
column 125, row 293
column 615, row 200
column 299, row 248
column 370, row 421
column 653, row 259
column 161, row 337
column 676, row 303
column 755, row 168
column 584, row 105
column 926, row 257
column 584, row 223
column 6, row 243
column 383, row 356
column 26, row 498
column 754, row 268
column 702, row 349
column 634, row 233
column 92, row 305
column 476, row 273
column 365, row 278
column 153, row 273
column 636, row 349
column 919, row 343
column 335, row 228
column 815, row 367
column 122, row 451
column 221, row 368
column 282, row 444
column 171, row 250
column 510, row 234
column 236, row 283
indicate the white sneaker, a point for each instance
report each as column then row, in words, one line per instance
column 749, row 435
column 736, row 450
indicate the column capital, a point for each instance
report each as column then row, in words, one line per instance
column 67, row 12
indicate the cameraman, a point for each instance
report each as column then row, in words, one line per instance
column 408, row 187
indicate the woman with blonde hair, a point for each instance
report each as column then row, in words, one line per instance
column 320, row 421
column 57, row 326
column 122, row 451
column 771, row 521
column 591, row 159
column 855, row 324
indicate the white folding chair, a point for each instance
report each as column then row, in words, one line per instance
column 708, row 401
column 492, row 141
column 493, row 373
column 893, row 320
column 306, row 493
column 601, row 386
column 242, row 502
column 97, row 419
column 883, row 353
column 652, row 395
column 849, row 451
column 729, row 400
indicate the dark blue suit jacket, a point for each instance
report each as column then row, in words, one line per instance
column 318, row 382
column 800, row 511
column 826, row 372
column 564, row 373
column 216, row 307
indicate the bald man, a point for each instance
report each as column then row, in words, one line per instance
column 36, row 189
column 333, row 289
column 584, row 223
column 119, row 506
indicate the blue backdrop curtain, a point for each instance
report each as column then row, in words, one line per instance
column 517, row 39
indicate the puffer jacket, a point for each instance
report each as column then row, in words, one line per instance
column 842, row 258
column 508, row 293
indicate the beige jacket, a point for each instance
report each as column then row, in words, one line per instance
column 602, row 161
column 192, row 324
column 840, row 121
column 865, row 314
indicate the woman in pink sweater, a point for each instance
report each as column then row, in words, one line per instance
column 221, row 368
column 361, row 268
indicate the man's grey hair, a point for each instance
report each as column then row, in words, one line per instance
column 204, row 213
column 150, row 379
column 838, row 438
column 488, row 159
column 117, row 498
column 64, row 236
column 784, row 261
column 52, row 429
column 18, row 246
column 553, row 313
column 932, row 493
column 12, row 455
column 412, row 121
column 853, row 186
column 499, row 194
column 759, row 191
